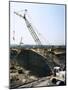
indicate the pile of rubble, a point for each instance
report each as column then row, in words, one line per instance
column 20, row 76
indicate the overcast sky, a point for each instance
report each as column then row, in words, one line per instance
column 47, row 19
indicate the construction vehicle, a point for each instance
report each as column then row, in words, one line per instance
column 58, row 77
column 57, row 74
column 30, row 28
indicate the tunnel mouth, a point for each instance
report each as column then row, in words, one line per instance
column 33, row 62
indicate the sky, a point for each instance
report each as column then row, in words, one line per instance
column 48, row 20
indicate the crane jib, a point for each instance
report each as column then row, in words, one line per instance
column 30, row 28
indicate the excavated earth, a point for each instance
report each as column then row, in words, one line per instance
column 28, row 66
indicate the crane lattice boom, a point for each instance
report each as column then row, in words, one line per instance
column 30, row 28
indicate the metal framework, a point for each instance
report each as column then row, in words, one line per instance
column 30, row 28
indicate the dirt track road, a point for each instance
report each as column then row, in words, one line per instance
column 40, row 83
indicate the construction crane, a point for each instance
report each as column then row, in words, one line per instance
column 30, row 28
column 21, row 41
column 32, row 32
